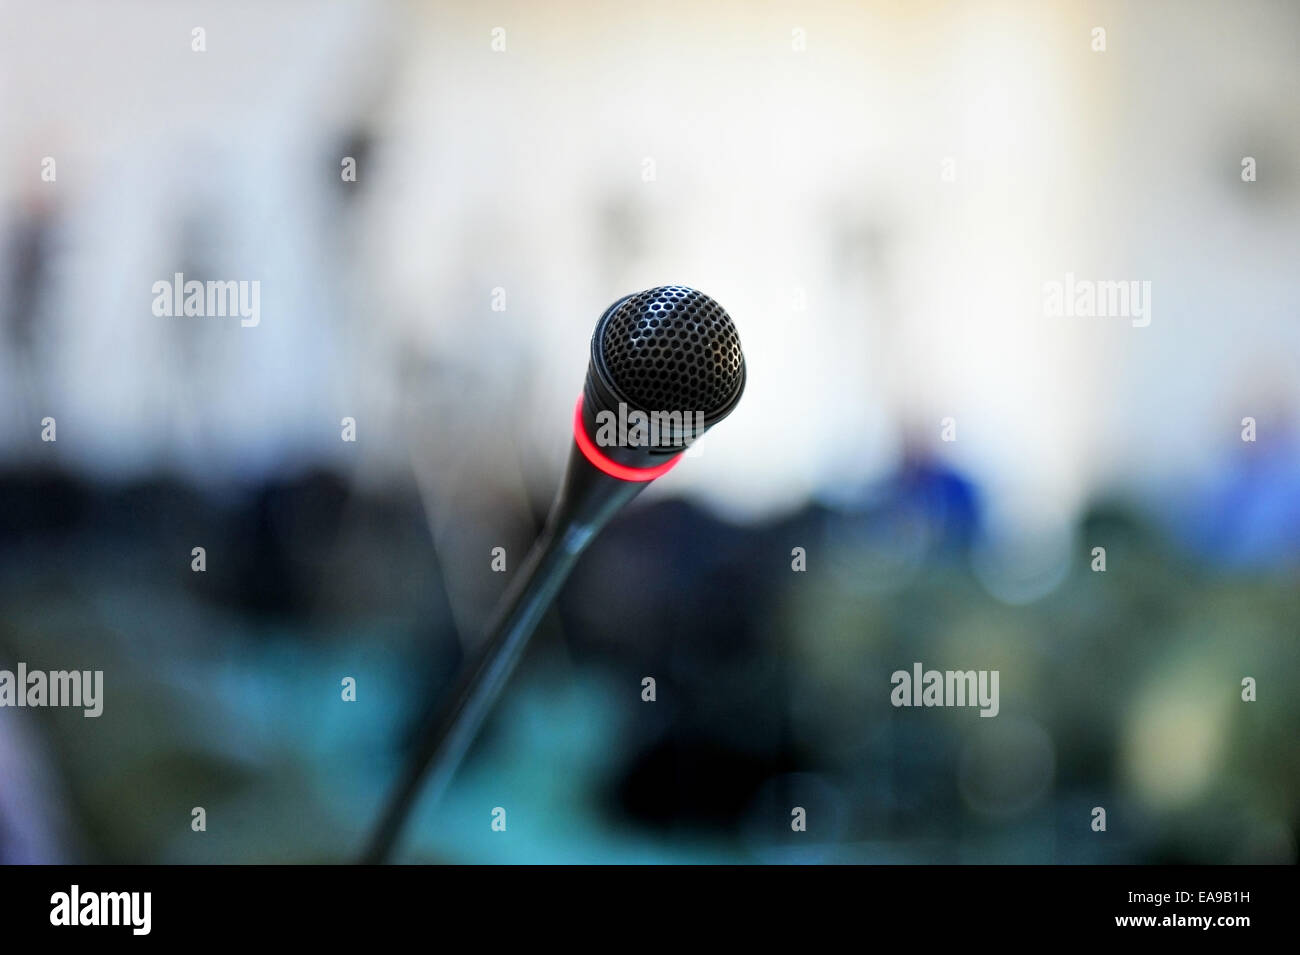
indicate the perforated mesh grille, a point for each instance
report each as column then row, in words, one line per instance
column 673, row 349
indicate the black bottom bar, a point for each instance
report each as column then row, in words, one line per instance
column 480, row 905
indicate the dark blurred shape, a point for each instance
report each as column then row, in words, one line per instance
column 27, row 255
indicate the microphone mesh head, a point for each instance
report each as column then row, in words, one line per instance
column 673, row 349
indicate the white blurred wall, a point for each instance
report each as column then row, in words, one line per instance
column 781, row 177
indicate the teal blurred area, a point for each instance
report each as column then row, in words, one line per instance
column 223, row 689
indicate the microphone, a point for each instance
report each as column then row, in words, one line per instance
column 665, row 367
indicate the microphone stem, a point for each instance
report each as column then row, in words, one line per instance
column 587, row 500
column 446, row 737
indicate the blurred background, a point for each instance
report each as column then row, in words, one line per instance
column 878, row 193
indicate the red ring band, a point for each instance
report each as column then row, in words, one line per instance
column 613, row 468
